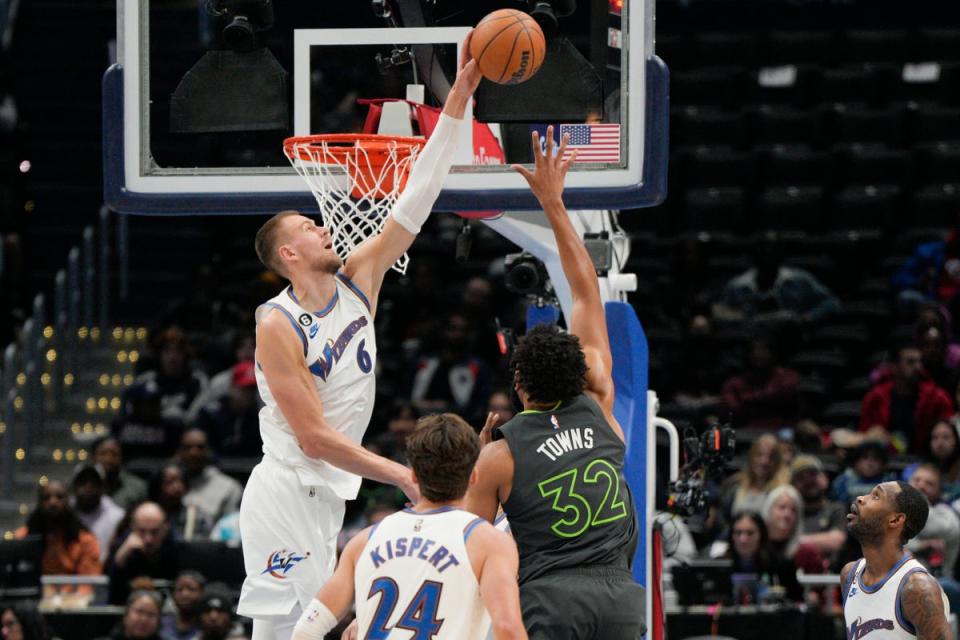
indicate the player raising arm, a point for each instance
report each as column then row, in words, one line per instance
column 558, row 471
column 430, row 571
column 316, row 356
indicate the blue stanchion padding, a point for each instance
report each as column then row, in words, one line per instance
column 628, row 344
column 545, row 314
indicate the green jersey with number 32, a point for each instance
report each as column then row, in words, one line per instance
column 570, row 505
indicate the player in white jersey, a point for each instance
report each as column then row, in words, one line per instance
column 432, row 571
column 887, row 594
column 315, row 356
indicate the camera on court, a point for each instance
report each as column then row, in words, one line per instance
column 525, row 274
column 247, row 17
column 707, row 458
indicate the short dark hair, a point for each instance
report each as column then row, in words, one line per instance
column 550, row 364
column 265, row 242
column 914, row 506
column 442, row 451
column 898, row 346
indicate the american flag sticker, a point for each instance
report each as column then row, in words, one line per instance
column 593, row 142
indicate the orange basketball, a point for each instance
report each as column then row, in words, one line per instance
column 508, row 46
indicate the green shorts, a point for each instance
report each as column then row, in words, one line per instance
column 588, row 603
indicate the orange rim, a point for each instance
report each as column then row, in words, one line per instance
column 341, row 145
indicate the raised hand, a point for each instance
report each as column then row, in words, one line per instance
column 549, row 168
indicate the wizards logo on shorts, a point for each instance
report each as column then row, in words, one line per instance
column 279, row 563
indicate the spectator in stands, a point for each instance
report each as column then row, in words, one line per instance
column 141, row 619
column 934, row 352
column 452, row 379
column 748, row 548
column 184, row 622
column 906, row 404
column 938, row 544
column 232, row 421
column 167, row 489
column 868, row 468
column 97, row 512
column 217, row 619
column 174, row 380
column 932, row 273
column 747, row 489
column 943, row 450
column 209, row 489
column 400, row 423
column 771, row 292
column 783, row 515
column 500, row 404
column 244, row 347
column 147, row 549
column 123, row 487
column 824, row 522
column 694, row 373
column 68, row 547
column 766, row 396
column 142, row 428
column 21, row 621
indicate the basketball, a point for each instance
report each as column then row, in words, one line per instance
column 508, row 46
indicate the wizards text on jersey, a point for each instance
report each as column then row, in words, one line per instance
column 334, row 350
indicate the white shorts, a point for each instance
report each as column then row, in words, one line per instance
column 289, row 534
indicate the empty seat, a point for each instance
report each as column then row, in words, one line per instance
column 850, row 85
column 936, row 205
column 845, row 413
column 932, row 124
column 789, row 165
column 862, row 45
column 825, row 364
column 867, row 164
column 850, row 124
column 790, row 208
column 719, row 167
column 725, row 48
column 937, row 44
column 798, row 47
column 939, row 163
column 717, row 86
column 713, row 209
column 867, row 206
column 214, row 560
column 708, row 126
column 776, row 125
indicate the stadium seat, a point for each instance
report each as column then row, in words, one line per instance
column 719, row 167
column 850, row 124
column 861, row 45
column 795, row 85
column 850, row 85
column 937, row 44
column 707, row 126
column 796, row 165
column 934, row 124
column 848, row 337
column 790, row 208
column 713, row 209
column 842, row 414
column 827, row 365
column 868, row 164
column 721, row 86
column 778, row 125
column 798, row 47
column 867, row 206
column 936, row 205
column 214, row 560
column 939, row 163
column 725, row 48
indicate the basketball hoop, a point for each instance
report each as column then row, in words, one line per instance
column 356, row 179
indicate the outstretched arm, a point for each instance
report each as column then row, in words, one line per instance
column 368, row 263
column 922, row 603
column 280, row 357
column 497, row 575
column 587, row 318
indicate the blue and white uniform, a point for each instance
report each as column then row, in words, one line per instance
column 293, row 505
column 414, row 579
column 875, row 610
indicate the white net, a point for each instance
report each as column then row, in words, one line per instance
column 356, row 180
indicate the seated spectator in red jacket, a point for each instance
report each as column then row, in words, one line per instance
column 766, row 395
column 906, row 404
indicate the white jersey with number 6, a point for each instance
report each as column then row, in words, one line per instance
column 414, row 579
column 340, row 350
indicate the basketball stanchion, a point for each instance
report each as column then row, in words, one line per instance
column 356, row 179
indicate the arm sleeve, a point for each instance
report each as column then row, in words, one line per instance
column 427, row 176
